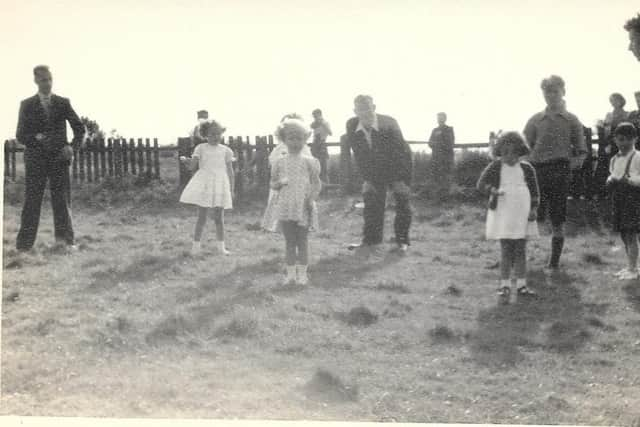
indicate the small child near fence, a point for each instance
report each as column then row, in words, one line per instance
column 269, row 220
column 296, row 178
column 513, row 189
column 211, row 187
column 623, row 185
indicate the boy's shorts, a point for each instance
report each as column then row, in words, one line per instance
column 554, row 182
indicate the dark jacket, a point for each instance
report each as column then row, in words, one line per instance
column 389, row 157
column 441, row 142
column 33, row 120
column 490, row 178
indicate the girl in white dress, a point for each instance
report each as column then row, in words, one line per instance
column 297, row 179
column 212, row 185
column 514, row 197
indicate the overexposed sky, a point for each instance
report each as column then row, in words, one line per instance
column 145, row 67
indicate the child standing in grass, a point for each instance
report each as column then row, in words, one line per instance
column 296, row 177
column 624, row 186
column 269, row 220
column 511, row 216
column 211, row 186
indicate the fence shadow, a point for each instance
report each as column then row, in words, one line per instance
column 557, row 320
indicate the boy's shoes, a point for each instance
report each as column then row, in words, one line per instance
column 504, row 294
column 401, row 249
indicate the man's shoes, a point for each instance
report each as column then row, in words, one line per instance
column 401, row 249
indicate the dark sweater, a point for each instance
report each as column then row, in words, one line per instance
column 490, row 178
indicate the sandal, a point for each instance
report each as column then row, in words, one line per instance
column 504, row 291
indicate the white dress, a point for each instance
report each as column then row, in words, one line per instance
column 210, row 187
column 510, row 218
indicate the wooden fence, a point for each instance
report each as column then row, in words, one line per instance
column 119, row 157
column 99, row 159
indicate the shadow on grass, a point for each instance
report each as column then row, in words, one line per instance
column 140, row 269
column 557, row 320
column 340, row 270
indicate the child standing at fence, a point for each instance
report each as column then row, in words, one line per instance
column 511, row 216
column 269, row 220
column 624, row 187
column 212, row 185
column 296, row 177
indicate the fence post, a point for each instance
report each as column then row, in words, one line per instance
column 103, row 160
column 147, row 144
column 345, row 165
column 140, row 157
column 156, row 158
column 81, row 155
column 14, row 150
column 90, row 148
column 7, row 164
column 96, row 161
column 125, row 156
column 184, row 149
column 118, row 156
column 110, row 156
column 132, row 156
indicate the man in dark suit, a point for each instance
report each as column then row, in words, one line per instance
column 633, row 28
column 42, row 128
column 384, row 161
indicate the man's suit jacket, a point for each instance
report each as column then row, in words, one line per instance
column 389, row 157
column 33, row 119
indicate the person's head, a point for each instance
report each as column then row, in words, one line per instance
column 617, row 101
column 625, row 136
column 42, row 77
column 203, row 115
column 365, row 109
column 294, row 133
column 553, row 89
column 633, row 27
column 212, row 131
column 317, row 114
column 442, row 118
column 510, row 147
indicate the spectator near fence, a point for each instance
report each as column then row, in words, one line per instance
column 196, row 134
column 606, row 144
column 321, row 130
column 557, row 147
column 42, row 128
column 441, row 143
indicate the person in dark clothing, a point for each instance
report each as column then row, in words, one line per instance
column 384, row 159
column 441, row 143
column 42, row 129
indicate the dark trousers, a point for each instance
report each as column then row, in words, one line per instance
column 39, row 167
column 374, row 206
column 553, row 181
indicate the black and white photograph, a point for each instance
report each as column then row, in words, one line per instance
column 382, row 211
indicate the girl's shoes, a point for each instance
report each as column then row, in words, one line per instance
column 503, row 294
column 221, row 248
column 301, row 275
column 196, row 248
column 629, row 275
column 290, row 278
column 524, row 291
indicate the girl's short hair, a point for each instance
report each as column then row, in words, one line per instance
column 619, row 97
column 511, row 138
column 294, row 122
column 626, row 130
column 211, row 127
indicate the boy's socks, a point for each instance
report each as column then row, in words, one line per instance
column 557, row 244
column 221, row 248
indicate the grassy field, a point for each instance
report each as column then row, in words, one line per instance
column 131, row 326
